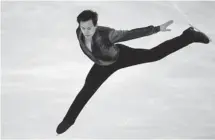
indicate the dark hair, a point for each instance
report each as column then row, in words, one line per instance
column 87, row 15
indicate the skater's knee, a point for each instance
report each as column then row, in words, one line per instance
column 87, row 91
column 88, row 85
column 155, row 56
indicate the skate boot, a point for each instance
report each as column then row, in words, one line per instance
column 63, row 126
column 196, row 35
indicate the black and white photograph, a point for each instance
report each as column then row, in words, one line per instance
column 107, row 69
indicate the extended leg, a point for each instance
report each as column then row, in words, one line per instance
column 97, row 75
column 130, row 56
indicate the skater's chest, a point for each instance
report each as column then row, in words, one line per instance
column 88, row 44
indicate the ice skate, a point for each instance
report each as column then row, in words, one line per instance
column 197, row 35
column 63, row 126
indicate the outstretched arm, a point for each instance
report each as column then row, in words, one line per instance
column 125, row 35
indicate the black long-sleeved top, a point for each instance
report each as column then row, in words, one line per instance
column 104, row 50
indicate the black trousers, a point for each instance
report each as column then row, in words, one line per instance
column 127, row 57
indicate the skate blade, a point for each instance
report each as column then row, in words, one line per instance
column 201, row 32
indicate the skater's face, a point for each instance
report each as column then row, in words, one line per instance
column 88, row 28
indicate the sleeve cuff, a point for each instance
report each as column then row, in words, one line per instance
column 157, row 28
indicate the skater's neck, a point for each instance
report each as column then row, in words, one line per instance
column 88, row 38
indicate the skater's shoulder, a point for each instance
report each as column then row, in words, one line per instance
column 104, row 28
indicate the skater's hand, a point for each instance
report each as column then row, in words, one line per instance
column 164, row 26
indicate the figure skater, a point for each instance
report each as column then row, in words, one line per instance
column 99, row 44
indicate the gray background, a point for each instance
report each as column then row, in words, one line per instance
column 43, row 69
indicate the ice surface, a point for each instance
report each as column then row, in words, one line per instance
column 43, row 69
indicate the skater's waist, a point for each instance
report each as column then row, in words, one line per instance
column 106, row 55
